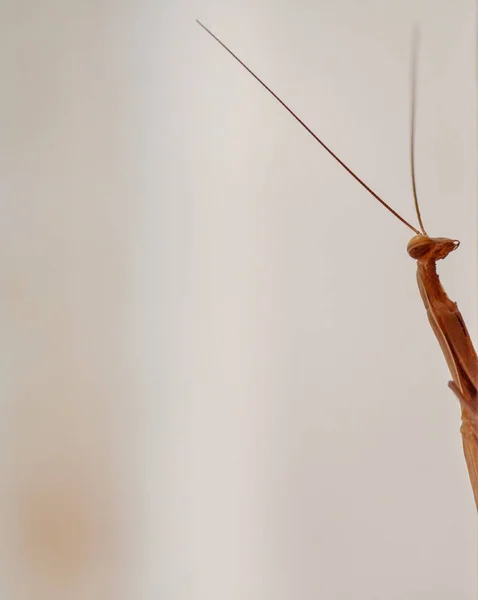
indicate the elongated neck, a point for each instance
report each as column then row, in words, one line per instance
column 428, row 271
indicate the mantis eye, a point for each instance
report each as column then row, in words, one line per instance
column 419, row 246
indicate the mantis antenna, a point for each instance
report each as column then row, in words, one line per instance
column 413, row 104
column 348, row 169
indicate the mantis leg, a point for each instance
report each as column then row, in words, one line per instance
column 470, row 439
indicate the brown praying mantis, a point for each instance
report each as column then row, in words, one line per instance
column 443, row 314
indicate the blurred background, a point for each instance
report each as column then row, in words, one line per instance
column 218, row 378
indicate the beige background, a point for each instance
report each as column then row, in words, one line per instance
column 210, row 327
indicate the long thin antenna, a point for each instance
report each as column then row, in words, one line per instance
column 348, row 169
column 413, row 109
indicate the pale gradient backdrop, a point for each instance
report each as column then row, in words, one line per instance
column 219, row 382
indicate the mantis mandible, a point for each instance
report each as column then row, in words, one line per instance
column 445, row 318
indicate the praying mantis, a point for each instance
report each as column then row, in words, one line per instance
column 443, row 314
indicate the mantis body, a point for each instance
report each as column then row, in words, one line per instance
column 443, row 314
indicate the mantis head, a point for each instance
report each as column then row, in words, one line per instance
column 422, row 247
